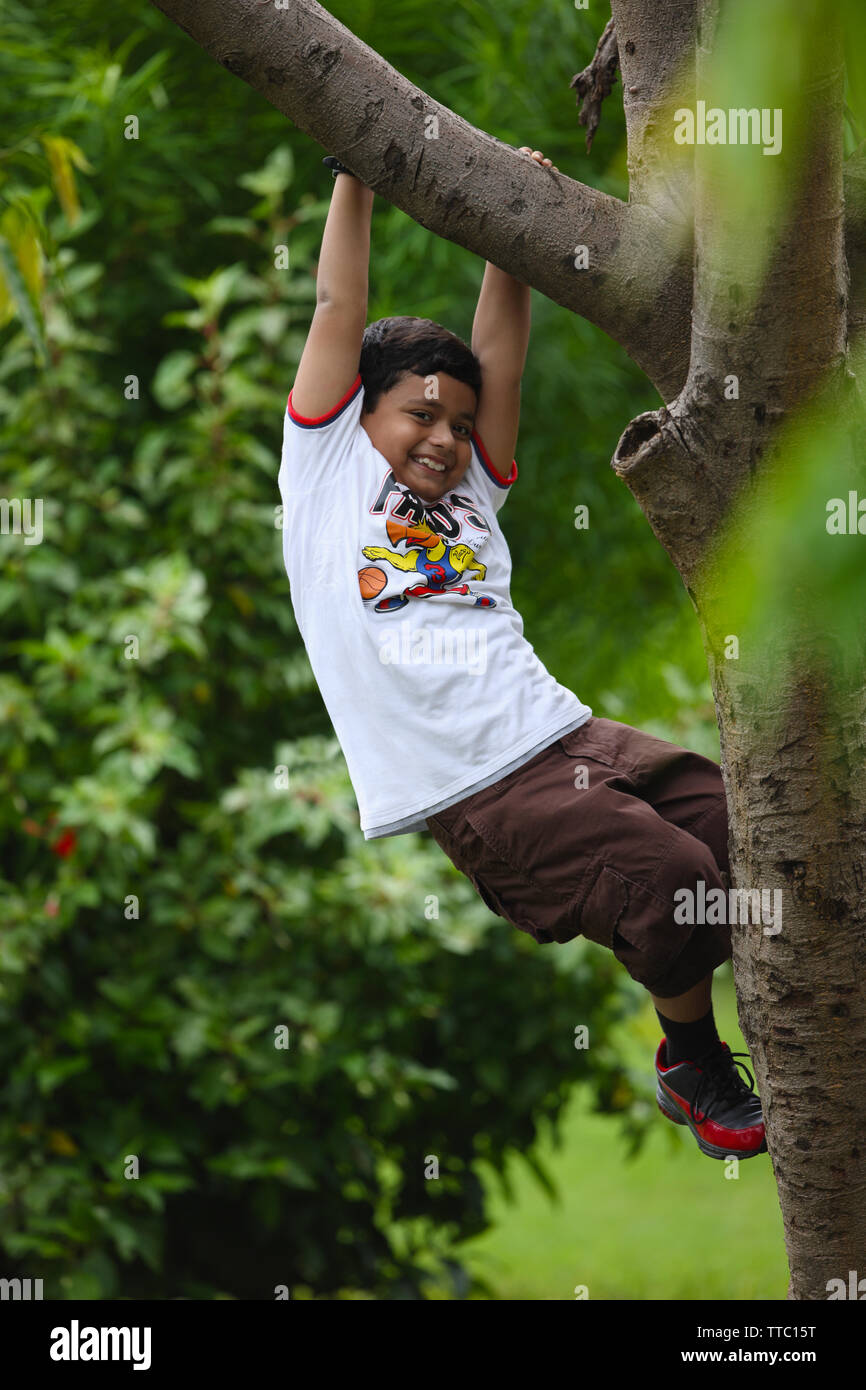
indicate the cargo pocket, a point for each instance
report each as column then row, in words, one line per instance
column 609, row 750
column 487, row 896
column 521, row 915
column 603, row 907
column 634, row 924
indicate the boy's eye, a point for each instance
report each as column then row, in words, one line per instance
column 466, row 429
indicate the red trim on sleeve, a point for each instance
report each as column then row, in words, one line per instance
column 491, row 469
column 329, row 415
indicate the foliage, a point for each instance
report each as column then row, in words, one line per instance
column 184, row 875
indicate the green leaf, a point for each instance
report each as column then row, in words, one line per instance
column 53, row 1073
column 170, row 386
column 275, row 175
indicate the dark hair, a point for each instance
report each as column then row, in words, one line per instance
column 407, row 346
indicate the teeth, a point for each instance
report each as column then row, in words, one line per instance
column 431, row 463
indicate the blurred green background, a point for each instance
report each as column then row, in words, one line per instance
column 167, row 908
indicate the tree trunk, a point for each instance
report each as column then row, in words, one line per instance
column 698, row 301
column 793, row 764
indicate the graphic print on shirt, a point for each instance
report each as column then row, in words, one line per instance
column 429, row 535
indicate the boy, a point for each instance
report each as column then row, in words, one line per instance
column 398, row 452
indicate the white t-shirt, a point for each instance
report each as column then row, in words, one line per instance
column 405, row 611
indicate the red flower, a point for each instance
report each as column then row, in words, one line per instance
column 66, row 844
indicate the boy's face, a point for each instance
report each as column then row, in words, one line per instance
column 406, row 426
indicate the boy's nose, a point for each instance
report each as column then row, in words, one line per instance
column 443, row 440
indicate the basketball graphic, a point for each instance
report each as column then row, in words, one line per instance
column 372, row 581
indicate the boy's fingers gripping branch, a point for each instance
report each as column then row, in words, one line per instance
column 538, row 157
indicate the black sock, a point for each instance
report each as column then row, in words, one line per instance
column 686, row 1041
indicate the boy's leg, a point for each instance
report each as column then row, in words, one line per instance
column 595, row 836
column 690, row 793
column 689, row 1024
column 688, row 1007
column 698, row 1083
column 687, row 790
column 570, row 844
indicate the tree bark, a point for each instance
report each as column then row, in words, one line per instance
column 854, row 185
column 793, row 768
column 793, row 735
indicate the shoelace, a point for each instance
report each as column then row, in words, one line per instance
column 719, row 1078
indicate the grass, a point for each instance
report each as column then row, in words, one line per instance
column 667, row 1225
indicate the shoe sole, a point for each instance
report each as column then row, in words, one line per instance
column 668, row 1108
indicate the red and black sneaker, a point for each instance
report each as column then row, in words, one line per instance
column 709, row 1095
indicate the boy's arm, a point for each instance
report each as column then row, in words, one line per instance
column 500, row 338
column 329, row 362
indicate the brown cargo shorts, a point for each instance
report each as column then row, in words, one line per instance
column 593, row 837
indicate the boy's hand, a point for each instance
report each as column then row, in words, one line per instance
column 538, row 157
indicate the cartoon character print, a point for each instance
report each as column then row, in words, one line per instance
column 438, row 563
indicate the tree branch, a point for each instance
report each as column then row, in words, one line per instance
column 472, row 189
column 456, row 180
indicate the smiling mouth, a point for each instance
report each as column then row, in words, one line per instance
column 429, row 464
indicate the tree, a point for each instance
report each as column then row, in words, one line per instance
column 735, row 277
